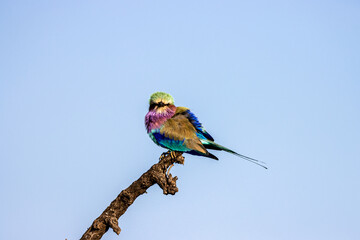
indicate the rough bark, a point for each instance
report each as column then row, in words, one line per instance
column 156, row 174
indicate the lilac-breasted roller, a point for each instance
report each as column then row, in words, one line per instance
column 178, row 129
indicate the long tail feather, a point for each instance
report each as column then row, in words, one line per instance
column 215, row 146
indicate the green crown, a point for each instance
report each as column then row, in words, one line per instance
column 161, row 97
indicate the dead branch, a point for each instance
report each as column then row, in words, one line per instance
column 156, row 174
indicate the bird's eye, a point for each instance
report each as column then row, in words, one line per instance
column 152, row 106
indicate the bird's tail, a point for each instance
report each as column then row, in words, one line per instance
column 212, row 145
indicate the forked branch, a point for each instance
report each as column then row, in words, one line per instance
column 156, row 174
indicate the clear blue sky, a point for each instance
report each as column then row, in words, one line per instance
column 274, row 80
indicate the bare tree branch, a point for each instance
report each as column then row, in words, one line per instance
column 156, row 174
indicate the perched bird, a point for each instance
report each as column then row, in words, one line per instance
column 178, row 129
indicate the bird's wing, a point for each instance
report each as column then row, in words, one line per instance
column 179, row 134
column 201, row 132
column 179, row 129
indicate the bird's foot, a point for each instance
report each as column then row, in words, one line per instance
column 173, row 159
column 173, row 154
column 164, row 155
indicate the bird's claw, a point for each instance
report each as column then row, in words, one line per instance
column 173, row 157
column 171, row 153
column 162, row 156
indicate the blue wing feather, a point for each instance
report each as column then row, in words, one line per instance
column 201, row 132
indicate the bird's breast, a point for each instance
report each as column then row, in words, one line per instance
column 155, row 120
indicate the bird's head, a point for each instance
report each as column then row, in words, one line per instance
column 160, row 101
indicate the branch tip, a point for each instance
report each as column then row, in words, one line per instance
column 156, row 174
column 113, row 223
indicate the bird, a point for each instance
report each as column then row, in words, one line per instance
column 179, row 130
